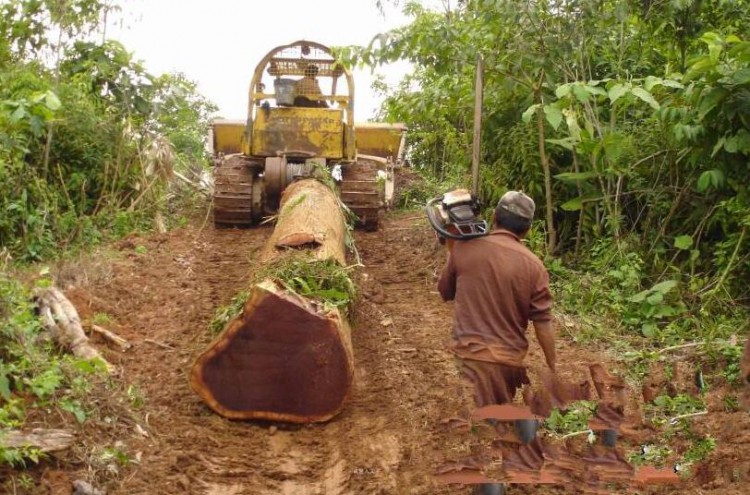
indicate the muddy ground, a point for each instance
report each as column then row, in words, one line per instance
column 152, row 435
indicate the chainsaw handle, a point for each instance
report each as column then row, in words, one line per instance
column 434, row 222
column 478, row 229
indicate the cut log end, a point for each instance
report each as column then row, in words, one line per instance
column 281, row 360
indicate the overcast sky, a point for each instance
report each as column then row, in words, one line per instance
column 217, row 43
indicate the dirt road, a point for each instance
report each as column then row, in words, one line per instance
column 160, row 293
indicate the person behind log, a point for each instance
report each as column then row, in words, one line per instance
column 307, row 92
column 498, row 286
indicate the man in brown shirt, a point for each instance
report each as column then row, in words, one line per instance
column 498, row 286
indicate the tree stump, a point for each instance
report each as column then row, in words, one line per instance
column 285, row 357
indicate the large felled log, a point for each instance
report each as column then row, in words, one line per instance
column 310, row 217
column 285, row 357
column 61, row 319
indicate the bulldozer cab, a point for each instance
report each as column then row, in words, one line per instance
column 300, row 116
column 300, row 104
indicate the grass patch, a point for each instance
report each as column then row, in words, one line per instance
column 32, row 373
column 101, row 319
column 225, row 314
column 574, row 418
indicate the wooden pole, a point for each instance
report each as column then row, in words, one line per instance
column 285, row 357
column 476, row 148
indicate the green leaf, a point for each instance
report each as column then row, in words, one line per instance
column 649, row 330
column 303, row 285
column 640, row 297
column 563, row 91
column 655, row 298
column 710, row 178
column 718, row 146
column 90, row 366
column 574, row 204
column 52, row 101
column 741, row 77
column 74, row 407
column 650, row 82
column 37, row 97
column 4, row 386
column 18, row 113
column 333, row 295
column 694, row 254
column 554, row 116
column 683, row 242
column 645, row 96
column 740, row 50
column 595, row 90
column 700, row 67
column 581, row 94
column 710, row 100
column 715, row 44
column 526, row 117
column 665, row 286
column 704, row 181
column 617, row 91
column 576, row 176
column 671, row 83
column 717, row 177
column 614, row 146
column 739, row 143
column 568, row 143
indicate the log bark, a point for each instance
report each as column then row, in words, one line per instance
column 309, row 218
column 43, row 439
column 61, row 319
column 285, row 357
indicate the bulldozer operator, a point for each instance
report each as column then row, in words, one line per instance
column 307, row 92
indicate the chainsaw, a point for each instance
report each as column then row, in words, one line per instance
column 456, row 215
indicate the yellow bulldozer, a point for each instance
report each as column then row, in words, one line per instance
column 293, row 127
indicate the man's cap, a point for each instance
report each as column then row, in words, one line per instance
column 517, row 203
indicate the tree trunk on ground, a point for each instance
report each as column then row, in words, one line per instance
column 310, row 218
column 61, row 319
column 285, row 358
column 38, row 438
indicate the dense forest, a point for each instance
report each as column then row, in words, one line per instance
column 626, row 121
column 90, row 143
column 88, row 136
